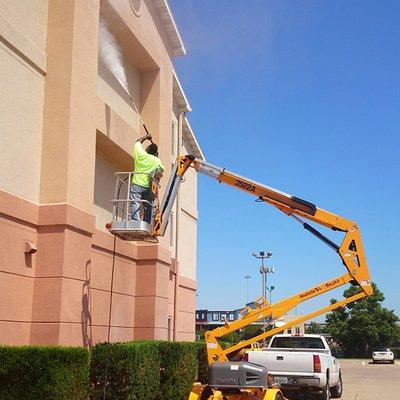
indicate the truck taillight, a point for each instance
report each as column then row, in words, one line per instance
column 245, row 357
column 317, row 363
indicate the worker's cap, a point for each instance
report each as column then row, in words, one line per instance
column 152, row 149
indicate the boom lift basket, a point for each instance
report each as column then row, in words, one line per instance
column 122, row 224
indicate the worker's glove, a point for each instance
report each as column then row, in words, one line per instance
column 149, row 137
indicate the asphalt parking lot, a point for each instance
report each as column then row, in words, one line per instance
column 363, row 380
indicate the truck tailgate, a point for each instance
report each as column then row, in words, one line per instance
column 283, row 361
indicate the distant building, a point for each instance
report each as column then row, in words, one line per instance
column 210, row 319
column 294, row 330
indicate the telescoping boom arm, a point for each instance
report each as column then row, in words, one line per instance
column 350, row 251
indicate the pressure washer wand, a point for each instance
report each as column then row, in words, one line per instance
column 134, row 105
column 145, row 128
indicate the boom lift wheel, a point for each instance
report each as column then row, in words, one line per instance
column 206, row 393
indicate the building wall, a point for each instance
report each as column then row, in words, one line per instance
column 188, row 220
column 28, row 20
column 68, row 128
column 22, row 31
column 294, row 330
column 18, row 221
column 21, row 138
column 109, row 89
column 23, row 28
column 104, row 187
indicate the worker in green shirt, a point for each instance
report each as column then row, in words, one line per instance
column 147, row 166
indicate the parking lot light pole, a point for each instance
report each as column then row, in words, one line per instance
column 270, row 289
column 247, row 277
column 262, row 255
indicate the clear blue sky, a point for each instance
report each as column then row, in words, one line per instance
column 303, row 96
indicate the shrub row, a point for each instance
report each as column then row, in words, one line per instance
column 142, row 370
column 125, row 371
column 179, row 369
column 45, row 373
column 202, row 362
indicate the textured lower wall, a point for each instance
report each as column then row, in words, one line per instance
column 186, row 309
column 18, row 224
column 61, row 294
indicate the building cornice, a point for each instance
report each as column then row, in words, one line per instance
column 184, row 107
column 190, row 137
column 174, row 37
column 180, row 96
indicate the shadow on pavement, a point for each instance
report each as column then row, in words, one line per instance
column 293, row 395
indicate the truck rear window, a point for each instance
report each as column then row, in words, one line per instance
column 295, row 342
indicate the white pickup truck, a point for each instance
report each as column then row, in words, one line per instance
column 300, row 363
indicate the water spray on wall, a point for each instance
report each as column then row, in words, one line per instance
column 111, row 54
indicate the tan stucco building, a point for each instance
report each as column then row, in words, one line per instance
column 66, row 128
column 294, row 330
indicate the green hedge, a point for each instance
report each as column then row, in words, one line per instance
column 45, row 373
column 202, row 362
column 133, row 371
column 178, row 369
column 143, row 370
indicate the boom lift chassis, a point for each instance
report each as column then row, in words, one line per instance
column 240, row 380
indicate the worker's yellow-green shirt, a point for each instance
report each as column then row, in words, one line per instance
column 145, row 163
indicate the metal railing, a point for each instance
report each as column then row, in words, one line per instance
column 122, row 201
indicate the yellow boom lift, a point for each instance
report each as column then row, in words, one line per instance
column 237, row 379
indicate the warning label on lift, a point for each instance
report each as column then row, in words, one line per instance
column 317, row 289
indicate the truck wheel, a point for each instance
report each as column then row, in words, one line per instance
column 326, row 393
column 336, row 391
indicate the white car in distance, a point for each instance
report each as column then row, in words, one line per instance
column 382, row 354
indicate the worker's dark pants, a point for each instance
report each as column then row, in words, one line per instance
column 139, row 195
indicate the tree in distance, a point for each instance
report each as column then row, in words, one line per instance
column 361, row 326
column 315, row 328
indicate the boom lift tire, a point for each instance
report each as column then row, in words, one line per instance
column 205, row 392
column 336, row 391
column 273, row 394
